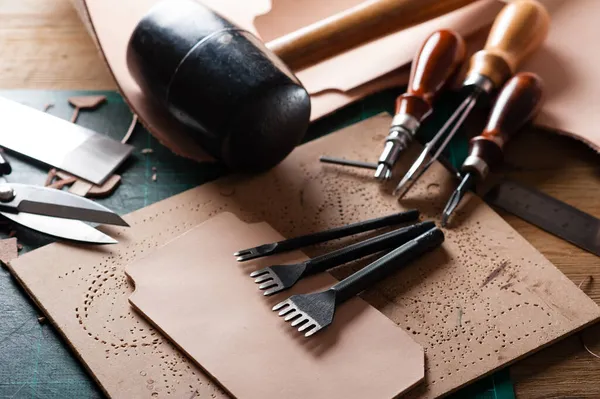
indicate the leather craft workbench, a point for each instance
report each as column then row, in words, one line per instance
column 46, row 47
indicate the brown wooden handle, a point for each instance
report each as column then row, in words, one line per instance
column 517, row 103
column 519, row 100
column 435, row 65
column 360, row 24
column 518, row 30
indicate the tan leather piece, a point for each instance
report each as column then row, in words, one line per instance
column 93, row 191
column 8, row 249
column 87, row 102
column 204, row 301
column 486, row 300
column 568, row 64
column 80, row 187
column 329, row 88
column 106, row 189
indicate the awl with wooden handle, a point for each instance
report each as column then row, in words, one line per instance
column 433, row 68
column 518, row 30
column 517, row 103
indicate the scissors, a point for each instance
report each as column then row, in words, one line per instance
column 56, row 212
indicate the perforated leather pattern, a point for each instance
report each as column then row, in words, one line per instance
column 483, row 300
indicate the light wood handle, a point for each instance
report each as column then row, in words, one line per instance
column 518, row 30
column 357, row 25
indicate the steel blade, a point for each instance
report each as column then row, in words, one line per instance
column 64, row 145
column 62, row 228
column 60, row 204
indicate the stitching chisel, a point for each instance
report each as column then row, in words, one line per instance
column 517, row 103
column 518, row 30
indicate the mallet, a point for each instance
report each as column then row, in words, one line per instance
column 244, row 104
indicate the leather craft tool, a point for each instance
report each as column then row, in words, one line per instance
column 435, row 65
column 326, row 235
column 63, row 145
column 277, row 278
column 373, row 166
column 56, row 212
column 517, row 104
column 519, row 29
column 315, row 311
column 242, row 102
column 348, row 162
column 446, row 276
column 547, row 213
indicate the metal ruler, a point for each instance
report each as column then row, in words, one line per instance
column 547, row 213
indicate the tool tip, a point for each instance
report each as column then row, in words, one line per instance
column 399, row 191
column 383, row 172
column 445, row 217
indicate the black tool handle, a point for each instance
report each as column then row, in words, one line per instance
column 387, row 264
column 344, row 231
column 361, row 249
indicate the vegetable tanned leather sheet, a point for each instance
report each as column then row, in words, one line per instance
column 484, row 300
column 203, row 300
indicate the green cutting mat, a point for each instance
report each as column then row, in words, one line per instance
column 34, row 360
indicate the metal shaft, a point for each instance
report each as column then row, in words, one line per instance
column 348, row 162
column 448, row 131
column 465, row 185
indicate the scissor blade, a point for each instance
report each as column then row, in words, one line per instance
column 63, row 228
column 70, row 212
column 60, row 204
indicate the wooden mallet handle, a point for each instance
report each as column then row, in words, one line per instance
column 357, row 25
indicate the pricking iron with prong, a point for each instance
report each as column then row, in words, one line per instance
column 277, row 278
column 327, row 235
column 313, row 312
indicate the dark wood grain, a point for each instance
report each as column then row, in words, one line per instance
column 518, row 102
column 437, row 62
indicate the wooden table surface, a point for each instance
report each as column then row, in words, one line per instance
column 43, row 45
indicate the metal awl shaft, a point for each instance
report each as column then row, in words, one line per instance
column 465, row 185
column 348, row 162
column 420, row 166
